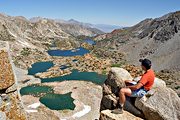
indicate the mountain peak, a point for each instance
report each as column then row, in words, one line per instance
column 36, row 19
column 73, row 21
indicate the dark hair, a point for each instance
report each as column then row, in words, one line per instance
column 146, row 63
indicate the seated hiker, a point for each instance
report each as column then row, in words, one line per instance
column 138, row 89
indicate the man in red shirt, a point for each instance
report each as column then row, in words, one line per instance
column 139, row 89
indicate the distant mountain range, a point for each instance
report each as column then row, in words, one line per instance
column 72, row 27
column 103, row 27
column 106, row 28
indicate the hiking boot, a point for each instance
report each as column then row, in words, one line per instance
column 117, row 111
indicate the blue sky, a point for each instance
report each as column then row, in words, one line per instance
column 117, row 12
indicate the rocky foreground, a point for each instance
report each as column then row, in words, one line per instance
column 160, row 103
column 87, row 100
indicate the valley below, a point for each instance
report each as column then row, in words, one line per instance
column 59, row 69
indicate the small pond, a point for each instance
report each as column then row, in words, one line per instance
column 58, row 101
column 90, row 41
column 39, row 67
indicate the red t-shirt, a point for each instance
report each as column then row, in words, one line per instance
column 148, row 79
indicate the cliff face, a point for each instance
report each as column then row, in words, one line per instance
column 10, row 103
column 157, row 39
column 163, row 28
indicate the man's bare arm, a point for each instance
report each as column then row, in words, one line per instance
column 135, row 87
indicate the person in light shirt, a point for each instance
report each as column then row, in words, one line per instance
column 139, row 89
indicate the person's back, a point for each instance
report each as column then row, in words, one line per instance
column 148, row 79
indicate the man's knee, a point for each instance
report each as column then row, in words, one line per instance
column 122, row 90
column 125, row 91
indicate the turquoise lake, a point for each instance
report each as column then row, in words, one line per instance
column 35, row 90
column 49, row 98
column 76, row 75
column 39, row 67
column 58, row 101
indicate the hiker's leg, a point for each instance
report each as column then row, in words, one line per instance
column 122, row 99
column 122, row 95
